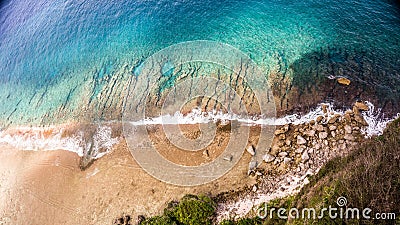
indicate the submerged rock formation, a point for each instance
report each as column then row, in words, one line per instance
column 338, row 75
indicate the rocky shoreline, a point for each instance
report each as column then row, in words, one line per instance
column 295, row 145
column 297, row 152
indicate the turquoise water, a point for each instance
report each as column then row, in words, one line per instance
column 58, row 57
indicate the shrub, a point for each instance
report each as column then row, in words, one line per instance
column 159, row 220
column 194, row 210
column 191, row 210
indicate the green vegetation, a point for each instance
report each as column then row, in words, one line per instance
column 191, row 210
column 243, row 221
column 158, row 220
column 369, row 177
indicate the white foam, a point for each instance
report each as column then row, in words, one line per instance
column 376, row 124
column 33, row 138
column 103, row 142
column 50, row 138
column 197, row 116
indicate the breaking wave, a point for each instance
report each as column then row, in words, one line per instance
column 374, row 117
column 57, row 138
column 101, row 141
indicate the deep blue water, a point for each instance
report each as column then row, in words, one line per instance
column 48, row 48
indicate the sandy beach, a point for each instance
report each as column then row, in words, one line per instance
column 48, row 187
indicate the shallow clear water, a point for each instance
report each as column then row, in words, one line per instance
column 57, row 57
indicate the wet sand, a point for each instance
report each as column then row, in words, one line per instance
column 47, row 187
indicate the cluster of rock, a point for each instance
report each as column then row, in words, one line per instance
column 127, row 220
column 309, row 145
column 297, row 152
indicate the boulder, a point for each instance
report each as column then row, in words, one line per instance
column 275, row 149
column 301, row 140
column 332, row 127
column 279, row 131
column 252, row 165
column 343, row 81
column 360, row 119
column 361, row 106
column 300, row 149
column 286, row 127
column 268, row 158
column 347, row 117
column 310, row 133
column 324, row 108
column 347, row 129
column 282, row 130
column 356, row 110
column 333, row 119
column 319, row 127
column 349, row 137
column 287, row 160
column 323, row 135
column 305, row 156
column 251, row 150
column 283, row 154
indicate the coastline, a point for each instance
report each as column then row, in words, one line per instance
column 108, row 108
column 55, row 181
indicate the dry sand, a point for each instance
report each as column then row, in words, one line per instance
column 47, row 187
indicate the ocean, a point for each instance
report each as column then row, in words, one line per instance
column 67, row 62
